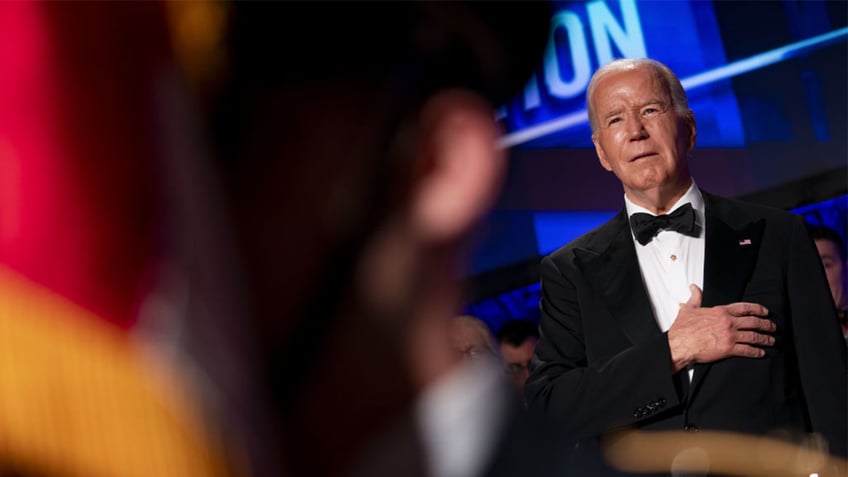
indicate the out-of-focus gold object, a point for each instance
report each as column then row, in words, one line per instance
column 724, row 453
column 197, row 30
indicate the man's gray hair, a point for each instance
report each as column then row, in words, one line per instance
column 678, row 95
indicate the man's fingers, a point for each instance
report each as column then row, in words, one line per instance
column 754, row 338
column 695, row 296
column 752, row 323
column 747, row 351
column 747, row 309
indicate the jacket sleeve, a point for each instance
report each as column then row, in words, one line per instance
column 818, row 341
column 593, row 381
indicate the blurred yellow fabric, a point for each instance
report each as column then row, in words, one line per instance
column 78, row 396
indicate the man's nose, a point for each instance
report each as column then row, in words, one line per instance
column 635, row 126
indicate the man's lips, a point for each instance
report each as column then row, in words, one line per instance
column 642, row 155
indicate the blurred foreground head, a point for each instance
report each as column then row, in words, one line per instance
column 333, row 120
column 357, row 146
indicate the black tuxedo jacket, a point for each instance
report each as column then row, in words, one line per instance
column 603, row 364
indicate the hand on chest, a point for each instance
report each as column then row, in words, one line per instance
column 669, row 264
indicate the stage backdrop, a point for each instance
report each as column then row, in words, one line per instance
column 766, row 81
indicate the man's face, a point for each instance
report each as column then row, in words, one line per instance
column 834, row 268
column 517, row 360
column 640, row 137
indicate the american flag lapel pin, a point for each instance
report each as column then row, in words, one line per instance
column 744, row 242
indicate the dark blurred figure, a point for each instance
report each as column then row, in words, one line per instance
column 82, row 393
column 831, row 249
column 230, row 234
column 517, row 340
column 356, row 149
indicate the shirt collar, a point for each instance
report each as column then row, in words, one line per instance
column 692, row 195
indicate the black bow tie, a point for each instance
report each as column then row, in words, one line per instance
column 682, row 220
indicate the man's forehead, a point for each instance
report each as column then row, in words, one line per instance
column 643, row 79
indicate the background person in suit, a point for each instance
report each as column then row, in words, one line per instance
column 716, row 316
column 517, row 341
column 832, row 252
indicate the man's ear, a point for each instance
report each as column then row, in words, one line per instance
column 690, row 123
column 600, row 152
column 462, row 166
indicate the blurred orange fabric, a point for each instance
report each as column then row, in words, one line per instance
column 80, row 395
column 80, row 399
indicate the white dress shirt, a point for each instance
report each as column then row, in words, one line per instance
column 672, row 261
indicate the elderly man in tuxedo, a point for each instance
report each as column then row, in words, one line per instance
column 685, row 311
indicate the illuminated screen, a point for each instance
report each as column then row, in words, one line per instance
column 766, row 80
column 707, row 44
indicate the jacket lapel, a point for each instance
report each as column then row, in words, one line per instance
column 730, row 254
column 612, row 270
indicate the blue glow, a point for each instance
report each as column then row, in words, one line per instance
column 836, row 204
column 519, row 304
column 586, row 35
column 763, row 59
column 686, row 36
column 579, row 118
column 555, row 229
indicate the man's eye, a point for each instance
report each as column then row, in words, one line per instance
column 650, row 111
column 613, row 121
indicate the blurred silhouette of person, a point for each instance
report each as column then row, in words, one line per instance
column 685, row 311
column 82, row 392
column 245, row 262
column 831, row 249
column 517, row 341
column 472, row 338
column 355, row 149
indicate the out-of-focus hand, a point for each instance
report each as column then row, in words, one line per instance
column 704, row 335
